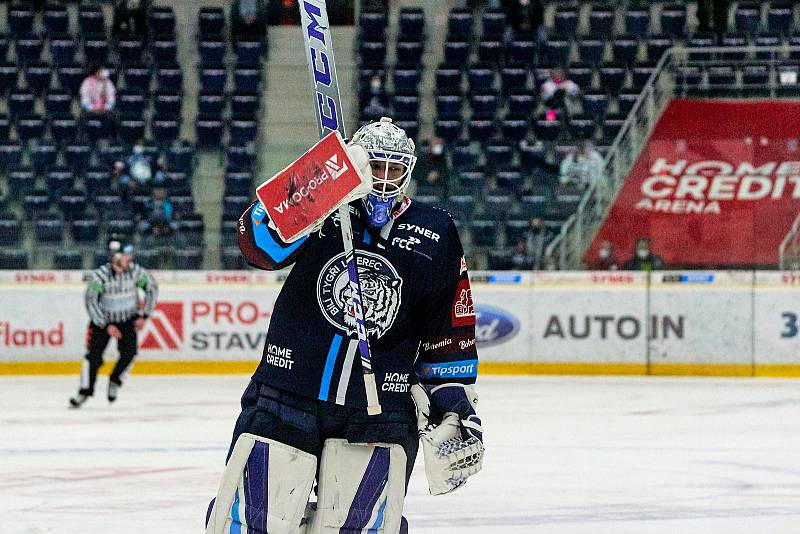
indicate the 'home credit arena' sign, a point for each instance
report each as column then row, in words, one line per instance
column 717, row 184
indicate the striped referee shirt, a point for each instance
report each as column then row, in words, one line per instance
column 113, row 297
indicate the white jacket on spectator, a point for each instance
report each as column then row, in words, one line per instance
column 98, row 93
column 581, row 168
column 550, row 87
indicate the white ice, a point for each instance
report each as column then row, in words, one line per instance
column 564, row 455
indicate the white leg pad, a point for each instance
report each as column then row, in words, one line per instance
column 264, row 488
column 361, row 488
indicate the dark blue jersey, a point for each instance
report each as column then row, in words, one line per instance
column 417, row 306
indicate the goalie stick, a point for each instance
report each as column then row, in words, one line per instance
column 328, row 110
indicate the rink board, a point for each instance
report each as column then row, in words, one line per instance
column 721, row 323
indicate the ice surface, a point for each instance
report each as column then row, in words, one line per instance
column 564, row 455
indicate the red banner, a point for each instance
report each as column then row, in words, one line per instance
column 718, row 184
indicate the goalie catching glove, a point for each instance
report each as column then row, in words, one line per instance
column 451, row 434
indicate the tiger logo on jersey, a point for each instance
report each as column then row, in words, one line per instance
column 380, row 293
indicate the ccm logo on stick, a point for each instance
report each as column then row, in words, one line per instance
column 321, row 66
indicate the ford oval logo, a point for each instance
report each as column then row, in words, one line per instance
column 494, row 326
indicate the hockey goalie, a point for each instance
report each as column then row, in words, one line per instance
column 304, row 422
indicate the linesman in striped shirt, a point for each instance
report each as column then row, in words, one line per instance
column 115, row 310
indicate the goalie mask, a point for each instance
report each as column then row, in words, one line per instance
column 391, row 157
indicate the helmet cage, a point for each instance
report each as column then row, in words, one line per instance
column 384, row 187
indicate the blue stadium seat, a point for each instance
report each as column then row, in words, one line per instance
column 581, row 127
column 36, row 204
column 449, row 106
column 67, row 260
column 372, row 52
column 494, row 22
column 499, row 155
column 111, row 153
column 595, row 103
column 10, row 232
column 546, row 130
column 208, row 131
column 70, row 77
column 456, row 52
column 612, row 77
column 463, row 156
column 50, row 230
column 490, row 51
column 232, row 259
column 459, row 23
column 165, row 128
column 448, row 129
column 673, row 19
column 243, row 130
column 637, row 22
column 624, row 49
column 21, row 182
column 178, row 183
column 533, row 206
column 37, row 77
column 9, row 73
column 164, row 50
column 97, row 181
column 149, row 259
column 372, row 25
column 772, row 39
column 181, row 157
column 626, row 101
column 471, row 180
column 779, row 18
column 131, row 102
column 161, row 21
column 591, row 50
column 212, row 50
column 501, row 259
column 43, row 156
column 21, row 101
column 5, row 127
column 522, row 49
column 566, row 20
column 10, row 155
column 248, row 52
column 95, row 49
column 521, row 104
column 514, row 78
column 448, row 79
column 246, row 79
column 59, row 179
column 640, row 73
column 481, row 130
column 405, row 105
column 62, row 49
column 234, row 206
column 188, row 258
column 137, row 78
column 612, row 125
column 182, row 205
column 601, row 21
column 131, row 129
column 167, row 103
column 213, row 78
column 510, row 180
column 90, row 19
column 721, row 76
column 410, row 126
column 556, row 52
column 211, row 20
column 406, row 81
column 412, row 21
column 14, row 258
column 755, row 75
column 496, row 205
column 97, row 128
column 108, row 205
column 169, row 77
column 484, row 105
column 72, row 204
column 130, row 49
column 240, row 157
column 461, row 206
column 118, row 226
column 84, row 230
column 211, row 104
column 657, row 45
column 28, row 48
column 748, row 18
column 77, row 155
column 409, row 52
column 56, row 19
column 737, row 40
column 701, row 41
column 57, row 102
column 245, row 104
column 581, row 74
column 5, row 43
column 20, row 19
column 237, row 182
column 63, row 127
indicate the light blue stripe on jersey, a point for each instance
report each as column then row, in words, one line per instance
column 378, row 520
column 461, row 369
column 264, row 239
column 329, row 363
column 236, row 524
column 367, row 237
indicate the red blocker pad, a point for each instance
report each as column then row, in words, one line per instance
column 307, row 191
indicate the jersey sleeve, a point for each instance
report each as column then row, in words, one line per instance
column 92, row 300
column 260, row 244
column 447, row 353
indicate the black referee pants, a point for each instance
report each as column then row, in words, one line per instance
column 96, row 342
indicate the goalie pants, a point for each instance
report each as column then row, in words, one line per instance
column 96, row 342
column 306, row 423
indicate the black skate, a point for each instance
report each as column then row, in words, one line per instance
column 113, row 390
column 78, row 400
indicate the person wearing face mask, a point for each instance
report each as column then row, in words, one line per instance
column 644, row 259
column 112, row 301
column 536, row 239
column 98, row 94
column 605, row 257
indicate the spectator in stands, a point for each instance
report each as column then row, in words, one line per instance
column 98, row 94
column 130, row 17
column 525, row 15
column 433, row 170
column 605, row 257
column 716, row 13
column 248, row 20
column 534, row 242
column 644, row 259
column 140, row 164
column 558, row 92
column 158, row 221
column 582, row 167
